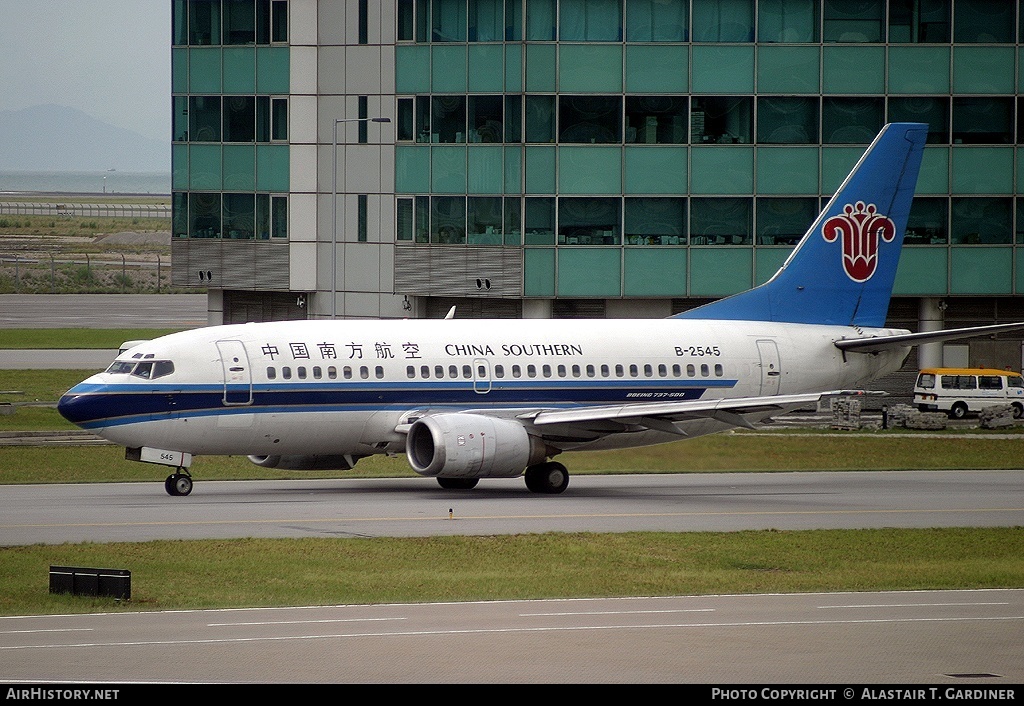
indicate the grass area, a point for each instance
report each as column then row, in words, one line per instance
column 744, row 452
column 39, row 225
column 48, row 338
column 268, row 572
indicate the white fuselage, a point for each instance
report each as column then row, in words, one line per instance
column 347, row 387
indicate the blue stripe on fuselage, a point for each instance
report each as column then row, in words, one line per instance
column 93, row 406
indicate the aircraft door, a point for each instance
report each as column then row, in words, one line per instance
column 481, row 376
column 234, row 362
column 771, row 367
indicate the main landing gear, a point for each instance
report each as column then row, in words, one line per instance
column 179, row 483
column 551, row 477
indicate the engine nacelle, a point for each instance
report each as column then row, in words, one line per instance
column 471, row 446
column 332, row 462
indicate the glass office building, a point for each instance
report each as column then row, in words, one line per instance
column 553, row 158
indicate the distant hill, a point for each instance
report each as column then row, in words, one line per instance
column 59, row 138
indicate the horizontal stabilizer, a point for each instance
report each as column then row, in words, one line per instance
column 876, row 344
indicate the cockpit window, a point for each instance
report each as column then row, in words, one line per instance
column 162, row 368
column 149, row 369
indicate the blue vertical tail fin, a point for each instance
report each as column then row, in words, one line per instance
column 842, row 270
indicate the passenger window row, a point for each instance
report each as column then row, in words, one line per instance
column 348, row 372
column 647, row 370
column 465, row 372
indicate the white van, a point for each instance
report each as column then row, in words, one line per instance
column 958, row 391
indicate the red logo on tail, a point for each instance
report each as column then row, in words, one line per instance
column 860, row 229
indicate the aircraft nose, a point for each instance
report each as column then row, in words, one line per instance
column 74, row 406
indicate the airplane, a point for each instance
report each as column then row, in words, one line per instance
column 472, row 399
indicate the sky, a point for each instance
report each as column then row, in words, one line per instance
column 110, row 59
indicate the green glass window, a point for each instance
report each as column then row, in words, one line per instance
column 486, row 20
column 927, row 224
column 919, row 21
column 654, row 120
column 853, row 20
column 179, row 119
column 723, row 20
column 926, row 109
column 590, row 20
column 983, row 21
column 422, row 219
column 448, row 219
column 983, row 120
column 513, row 119
column 239, row 22
column 590, row 119
column 279, row 21
column 539, row 220
column 263, row 225
column 1020, row 221
column 179, row 214
column 486, row 118
column 783, row 120
column 851, row 120
column 540, row 20
column 179, row 23
column 589, row 221
column 721, row 221
column 661, row 170
column 403, row 219
column 448, row 119
column 204, row 118
column 239, row 119
column 513, row 221
column 540, row 118
column 655, row 221
column 279, row 216
column 448, row 23
column 484, row 220
column 239, row 216
column 783, row 221
column 656, row 21
column 406, row 21
column 239, row 167
column 788, row 21
column 362, row 217
column 981, row 220
column 204, row 22
column 722, row 119
column 204, row 215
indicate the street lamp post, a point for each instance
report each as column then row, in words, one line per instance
column 334, row 207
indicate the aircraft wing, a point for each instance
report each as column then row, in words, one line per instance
column 876, row 344
column 661, row 416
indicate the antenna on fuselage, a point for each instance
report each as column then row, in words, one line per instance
column 451, row 313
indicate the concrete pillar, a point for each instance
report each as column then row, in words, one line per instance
column 930, row 315
column 537, row 308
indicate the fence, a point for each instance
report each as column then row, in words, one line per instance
column 83, row 273
column 85, row 210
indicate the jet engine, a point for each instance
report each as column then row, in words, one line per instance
column 332, row 462
column 471, row 446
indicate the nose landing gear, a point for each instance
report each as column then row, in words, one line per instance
column 179, row 483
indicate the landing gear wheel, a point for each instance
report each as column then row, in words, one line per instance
column 178, row 484
column 551, row 478
column 457, row 483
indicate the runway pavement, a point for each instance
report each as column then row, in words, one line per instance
column 952, row 640
column 417, row 507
